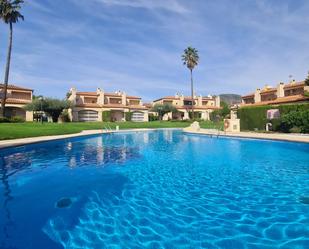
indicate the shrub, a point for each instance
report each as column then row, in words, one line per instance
column 4, row 120
column 219, row 115
column 17, row 119
column 106, row 116
column 128, row 116
column 197, row 115
column 152, row 117
column 297, row 120
column 64, row 116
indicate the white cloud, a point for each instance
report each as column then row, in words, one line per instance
column 170, row 5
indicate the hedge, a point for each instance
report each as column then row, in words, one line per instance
column 252, row 118
column 15, row 119
column 106, row 116
column 128, row 116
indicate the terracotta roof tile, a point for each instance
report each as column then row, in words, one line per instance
column 138, row 107
column 87, row 93
column 281, row 100
column 199, row 107
column 294, row 85
column 14, row 87
column 250, row 95
column 133, row 97
column 268, row 90
column 95, row 105
column 112, row 95
column 17, row 101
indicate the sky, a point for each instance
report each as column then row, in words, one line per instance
column 136, row 45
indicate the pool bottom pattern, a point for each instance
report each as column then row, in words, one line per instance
column 159, row 218
column 160, row 190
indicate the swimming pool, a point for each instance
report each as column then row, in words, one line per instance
column 155, row 189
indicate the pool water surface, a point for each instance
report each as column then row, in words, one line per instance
column 155, row 189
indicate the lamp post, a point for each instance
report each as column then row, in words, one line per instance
column 160, row 111
column 41, row 101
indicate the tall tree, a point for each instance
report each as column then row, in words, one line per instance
column 307, row 80
column 162, row 109
column 190, row 58
column 9, row 13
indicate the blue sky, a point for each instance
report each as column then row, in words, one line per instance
column 136, row 45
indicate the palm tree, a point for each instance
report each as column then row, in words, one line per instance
column 190, row 58
column 9, row 13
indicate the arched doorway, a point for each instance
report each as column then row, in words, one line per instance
column 137, row 117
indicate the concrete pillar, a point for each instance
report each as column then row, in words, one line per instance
column 186, row 115
column 74, row 115
column 29, row 116
column 72, row 97
column 280, row 90
column 100, row 114
column 124, row 98
column 217, row 101
column 146, row 116
column 100, row 96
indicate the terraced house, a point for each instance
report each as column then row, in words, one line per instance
column 17, row 98
column 100, row 105
column 293, row 92
column 203, row 106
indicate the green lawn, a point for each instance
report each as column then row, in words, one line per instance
column 21, row 130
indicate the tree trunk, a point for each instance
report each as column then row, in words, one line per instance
column 192, row 96
column 7, row 72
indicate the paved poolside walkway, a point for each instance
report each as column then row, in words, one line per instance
column 256, row 135
column 32, row 140
column 272, row 136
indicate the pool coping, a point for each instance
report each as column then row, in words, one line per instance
column 253, row 135
column 33, row 140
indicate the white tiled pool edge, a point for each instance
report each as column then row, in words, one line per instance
column 269, row 136
column 32, row 140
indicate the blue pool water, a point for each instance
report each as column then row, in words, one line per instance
column 159, row 189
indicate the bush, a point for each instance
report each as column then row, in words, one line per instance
column 4, row 120
column 106, row 116
column 15, row 119
column 296, row 121
column 65, row 117
column 197, row 115
column 128, row 116
column 152, row 117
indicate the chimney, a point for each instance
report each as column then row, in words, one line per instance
column 217, row 101
column 124, row 98
column 257, row 95
column 100, row 96
column 280, row 90
column 72, row 96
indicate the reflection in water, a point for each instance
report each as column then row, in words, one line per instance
column 74, row 154
column 9, row 166
column 100, row 156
